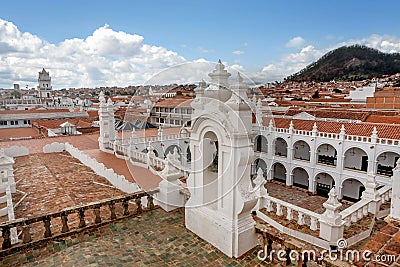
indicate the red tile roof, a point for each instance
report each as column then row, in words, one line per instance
column 361, row 129
column 54, row 124
column 32, row 111
column 174, row 102
column 18, row 133
column 383, row 119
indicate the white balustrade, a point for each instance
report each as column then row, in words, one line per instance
column 355, row 212
column 303, row 215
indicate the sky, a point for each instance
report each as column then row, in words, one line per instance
column 86, row 43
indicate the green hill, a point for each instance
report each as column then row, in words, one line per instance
column 349, row 63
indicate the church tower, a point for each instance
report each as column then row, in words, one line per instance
column 44, row 84
column 107, row 122
column 219, row 208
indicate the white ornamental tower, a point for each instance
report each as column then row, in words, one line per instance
column 219, row 209
column 44, row 84
column 107, row 123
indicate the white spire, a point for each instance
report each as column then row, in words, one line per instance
column 220, row 75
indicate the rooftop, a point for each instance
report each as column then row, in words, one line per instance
column 360, row 129
column 55, row 181
column 157, row 238
column 18, row 133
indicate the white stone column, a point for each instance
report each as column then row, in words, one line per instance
column 372, row 194
column 331, row 223
column 395, row 202
column 260, row 190
column 169, row 197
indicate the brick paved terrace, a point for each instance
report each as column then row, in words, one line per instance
column 156, row 238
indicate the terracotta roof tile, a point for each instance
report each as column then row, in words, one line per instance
column 361, row 129
column 174, row 102
column 18, row 133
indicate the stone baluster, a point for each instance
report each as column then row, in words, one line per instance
column 125, row 205
column 300, row 218
column 353, row 217
column 289, row 215
column 347, row 221
column 113, row 216
column 82, row 222
column 139, row 208
column 64, row 221
column 359, row 214
column 26, row 234
column 47, row 230
column 6, row 238
column 278, row 209
column 365, row 210
column 314, row 224
column 97, row 217
column 150, row 203
column 269, row 205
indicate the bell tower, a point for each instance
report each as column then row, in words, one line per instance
column 219, row 208
column 44, row 85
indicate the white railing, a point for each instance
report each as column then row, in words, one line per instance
column 357, row 138
column 384, row 141
column 353, row 138
column 355, row 212
column 328, row 135
column 385, row 193
column 139, row 156
column 304, row 216
column 118, row 181
column 157, row 162
column 303, row 132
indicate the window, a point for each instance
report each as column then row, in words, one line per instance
column 12, row 122
column 3, row 122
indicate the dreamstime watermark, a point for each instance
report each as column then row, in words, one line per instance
column 339, row 254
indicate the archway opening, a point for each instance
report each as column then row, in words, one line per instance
column 352, row 190
column 324, row 184
column 260, row 144
column 300, row 177
column 210, row 169
column 356, row 159
column 301, row 150
column 386, row 162
column 327, row 154
column 279, row 172
column 280, row 147
column 188, row 155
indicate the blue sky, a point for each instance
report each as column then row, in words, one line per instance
column 265, row 39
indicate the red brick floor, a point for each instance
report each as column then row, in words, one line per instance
column 384, row 241
column 299, row 197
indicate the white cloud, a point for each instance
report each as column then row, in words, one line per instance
column 384, row 43
column 205, row 51
column 106, row 57
column 238, row 52
column 294, row 62
column 296, row 42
